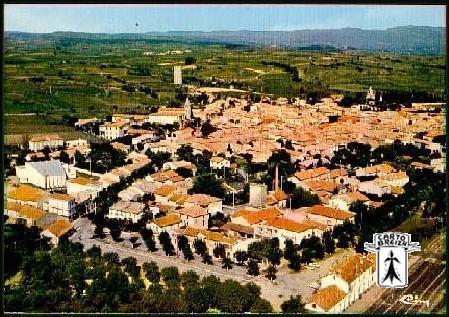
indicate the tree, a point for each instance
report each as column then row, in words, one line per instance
column 187, row 252
column 295, row 262
column 64, row 157
column 328, row 242
column 271, row 273
column 189, row 279
column 208, row 184
column 207, row 259
column 289, row 250
column 306, row 256
column 111, row 258
column 184, row 172
column 148, row 239
column 261, row 306
column 152, row 272
column 182, row 241
column 131, row 267
column 207, row 128
column 200, row 246
column 185, row 153
column 227, row 263
column 170, row 274
column 94, row 252
column 253, row 268
column 241, row 257
column 232, row 297
column 219, row 251
column 293, row 305
column 211, row 285
column 274, row 256
column 189, row 60
column 167, row 246
column 158, row 158
column 302, row 198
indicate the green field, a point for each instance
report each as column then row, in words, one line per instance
column 87, row 80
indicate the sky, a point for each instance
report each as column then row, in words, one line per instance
column 123, row 18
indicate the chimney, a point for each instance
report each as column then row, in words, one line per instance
column 276, row 180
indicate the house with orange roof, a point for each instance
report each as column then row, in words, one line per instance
column 24, row 214
column 250, row 217
column 169, row 223
column 237, row 230
column 375, row 170
column 163, row 193
column 27, row 195
column 213, row 205
column 329, row 216
column 329, row 299
column 193, row 216
column 84, row 185
column 398, row 179
column 277, row 198
column 168, row 177
column 57, row 230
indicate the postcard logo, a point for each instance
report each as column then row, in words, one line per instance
column 392, row 250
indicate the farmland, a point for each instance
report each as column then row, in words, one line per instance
column 83, row 79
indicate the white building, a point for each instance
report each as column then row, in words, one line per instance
column 113, row 130
column 127, row 210
column 344, row 201
column 166, row 115
column 217, row 162
column 46, row 174
column 40, row 142
column 377, row 187
column 61, row 205
column 287, row 229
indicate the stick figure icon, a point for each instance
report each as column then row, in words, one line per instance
column 391, row 273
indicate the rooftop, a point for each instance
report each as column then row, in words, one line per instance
column 194, row 211
column 329, row 212
column 169, row 220
column 328, row 297
column 59, row 227
column 27, row 193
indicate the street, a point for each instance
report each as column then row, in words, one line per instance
column 287, row 283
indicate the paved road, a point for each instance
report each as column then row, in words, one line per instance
column 426, row 281
column 286, row 284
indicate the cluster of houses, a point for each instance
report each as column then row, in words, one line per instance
column 51, row 193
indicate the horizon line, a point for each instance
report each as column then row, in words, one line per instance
column 242, row 30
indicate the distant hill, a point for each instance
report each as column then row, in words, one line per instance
column 402, row 39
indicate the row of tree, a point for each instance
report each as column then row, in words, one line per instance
column 68, row 279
